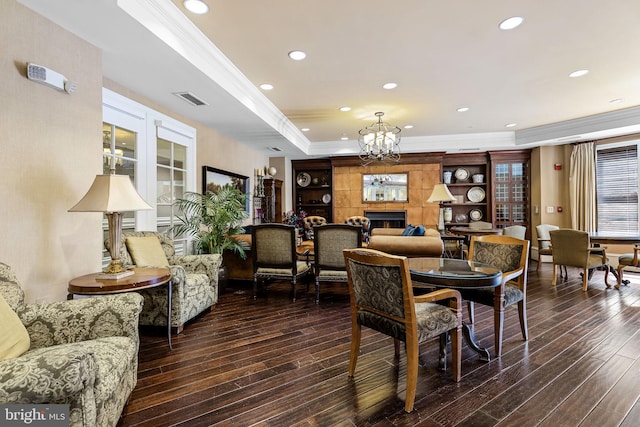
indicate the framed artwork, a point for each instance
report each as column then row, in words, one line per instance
column 213, row 179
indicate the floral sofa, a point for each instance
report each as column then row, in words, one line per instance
column 194, row 280
column 83, row 353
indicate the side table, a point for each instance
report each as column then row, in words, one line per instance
column 143, row 278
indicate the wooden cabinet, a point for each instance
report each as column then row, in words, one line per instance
column 272, row 201
column 510, row 187
column 468, row 178
column 312, row 187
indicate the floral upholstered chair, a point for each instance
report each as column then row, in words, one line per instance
column 382, row 299
column 83, row 353
column 511, row 256
column 194, row 279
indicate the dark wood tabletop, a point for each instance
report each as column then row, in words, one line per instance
column 143, row 278
column 453, row 273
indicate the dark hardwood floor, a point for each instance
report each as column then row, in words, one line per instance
column 274, row 362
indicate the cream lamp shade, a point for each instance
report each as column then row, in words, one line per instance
column 112, row 194
column 441, row 194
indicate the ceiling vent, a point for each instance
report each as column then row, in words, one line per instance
column 274, row 149
column 191, row 98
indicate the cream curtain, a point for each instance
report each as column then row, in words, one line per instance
column 582, row 187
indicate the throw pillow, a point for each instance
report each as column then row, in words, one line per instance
column 409, row 230
column 14, row 338
column 146, row 251
column 418, row 231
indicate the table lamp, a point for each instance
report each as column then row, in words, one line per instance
column 441, row 194
column 112, row 194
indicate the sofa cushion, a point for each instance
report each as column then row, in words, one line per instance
column 14, row 339
column 146, row 251
column 408, row 231
column 418, row 230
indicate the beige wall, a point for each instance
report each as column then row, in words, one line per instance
column 347, row 192
column 51, row 150
column 52, row 147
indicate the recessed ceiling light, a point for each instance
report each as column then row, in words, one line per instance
column 462, row 109
column 344, row 138
column 616, row 101
column 297, row 55
column 408, row 126
column 579, row 73
column 390, row 85
column 510, row 125
column 345, row 108
column 196, row 6
column 266, row 86
column 305, row 129
column 511, row 23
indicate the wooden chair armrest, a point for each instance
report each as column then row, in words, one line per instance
column 510, row 275
column 442, row 294
column 600, row 250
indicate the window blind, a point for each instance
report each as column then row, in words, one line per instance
column 617, row 189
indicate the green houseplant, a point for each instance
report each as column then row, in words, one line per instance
column 212, row 218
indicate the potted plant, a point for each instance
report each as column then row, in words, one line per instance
column 212, row 218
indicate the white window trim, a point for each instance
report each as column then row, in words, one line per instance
column 147, row 123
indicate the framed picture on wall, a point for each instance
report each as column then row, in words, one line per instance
column 213, row 179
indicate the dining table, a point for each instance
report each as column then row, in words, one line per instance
column 437, row 273
column 614, row 238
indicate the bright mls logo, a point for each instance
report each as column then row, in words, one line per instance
column 34, row 415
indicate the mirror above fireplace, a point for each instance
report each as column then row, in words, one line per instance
column 391, row 187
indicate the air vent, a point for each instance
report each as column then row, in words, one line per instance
column 191, row 98
column 274, row 149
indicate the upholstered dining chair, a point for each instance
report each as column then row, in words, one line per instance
column 517, row 231
column 361, row 221
column 382, row 299
column 627, row 260
column 573, row 248
column 544, row 241
column 273, row 248
column 510, row 255
column 329, row 241
column 310, row 222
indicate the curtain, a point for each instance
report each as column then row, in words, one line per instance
column 582, row 187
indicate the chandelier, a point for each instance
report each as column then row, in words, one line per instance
column 379, row 142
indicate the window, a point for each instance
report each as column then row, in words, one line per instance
column 510, row 193
column 617, row 188
column 156, row 152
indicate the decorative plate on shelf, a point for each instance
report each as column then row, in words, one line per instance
column 326, row 198
column 303, row 179
column 475, row 194
column 475, row 214
column 462, row 174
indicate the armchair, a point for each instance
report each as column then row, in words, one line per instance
column 194, row 280
column 361, row 221
column 83, row 353
column 382, row 299
column 544, row 241
column 627, row 260
column 310, row 222
column 573, row 248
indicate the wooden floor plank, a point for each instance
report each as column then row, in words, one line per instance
column 275, row 362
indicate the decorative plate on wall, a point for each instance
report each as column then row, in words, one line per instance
column 326, row 198
column 303, row 179
column 475, row 194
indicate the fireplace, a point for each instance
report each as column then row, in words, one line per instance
column 387, row 219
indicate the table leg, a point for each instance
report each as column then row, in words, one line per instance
column 467, row 333
column 169, row 296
